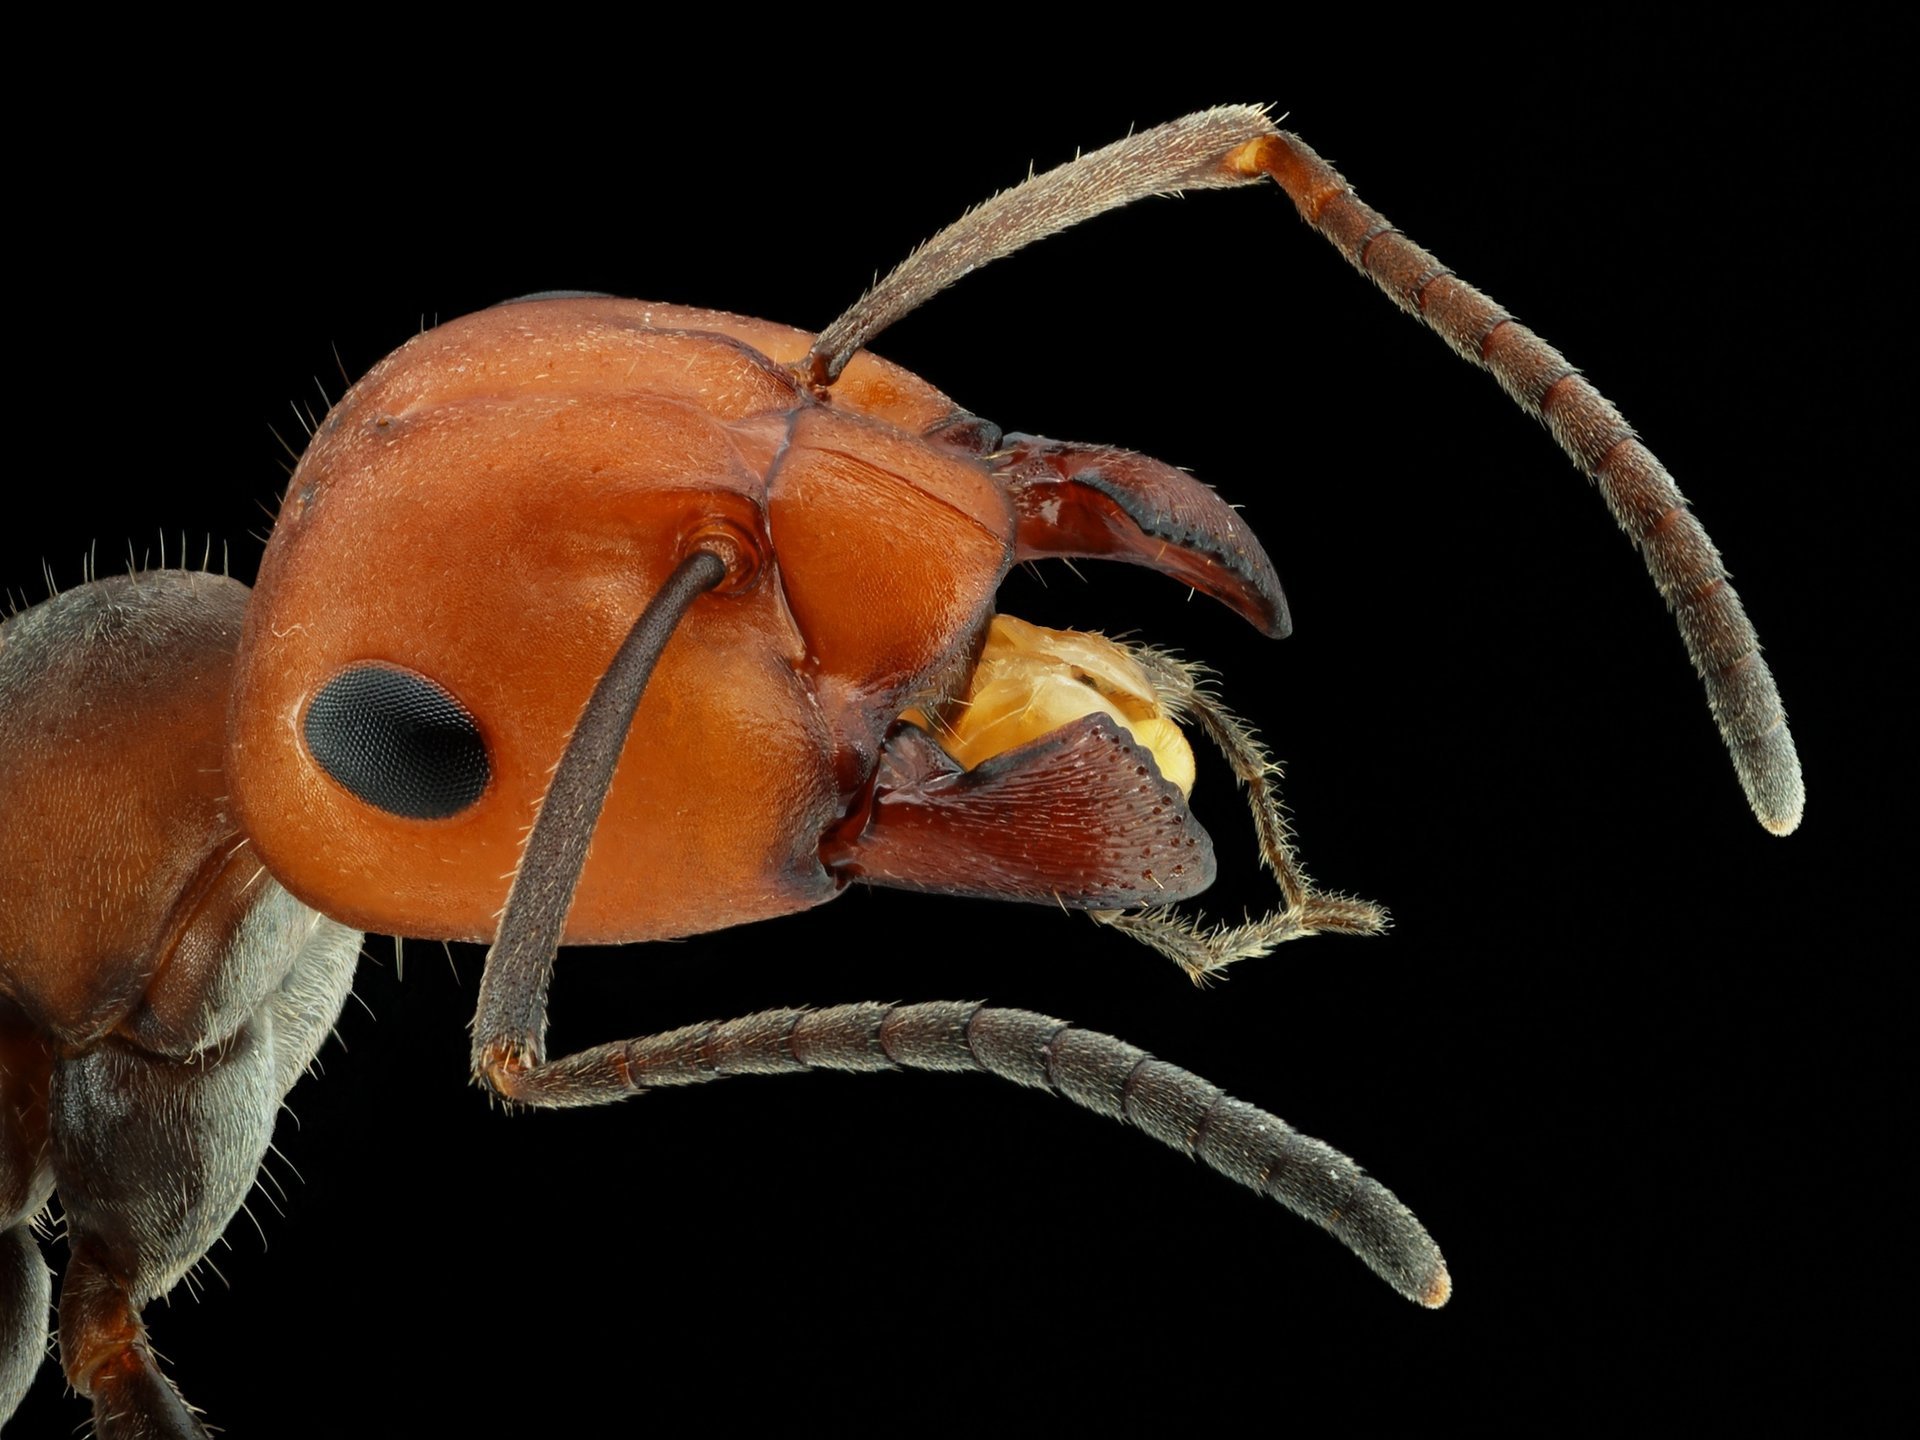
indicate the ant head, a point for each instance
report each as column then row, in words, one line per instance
column 462, row 549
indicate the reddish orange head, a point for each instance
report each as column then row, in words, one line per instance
column 472, row 533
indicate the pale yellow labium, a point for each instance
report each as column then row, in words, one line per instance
column 1031, row 681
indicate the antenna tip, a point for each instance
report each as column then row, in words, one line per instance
column 1783, row 824
column 1779, row 796
column 1769, row 768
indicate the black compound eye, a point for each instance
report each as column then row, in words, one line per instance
column 398, row 741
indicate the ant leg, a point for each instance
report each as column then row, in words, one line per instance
column 156, row 1150
column 155, row 1155
column 26, row 1184
column 25, row 1290
column 103, row 1346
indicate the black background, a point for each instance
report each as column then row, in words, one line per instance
column 1629, row 1057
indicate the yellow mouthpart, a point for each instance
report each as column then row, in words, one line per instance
column 1031, row 681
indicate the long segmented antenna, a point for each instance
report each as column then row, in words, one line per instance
column 1683, row 562
column 513, row 988
column 1096, row 1071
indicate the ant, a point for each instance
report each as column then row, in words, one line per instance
column 507, row 1051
